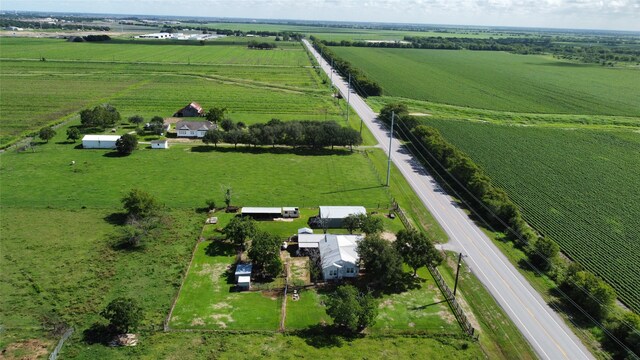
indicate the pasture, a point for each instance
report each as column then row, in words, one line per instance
column 577, row 186
column 500, row 81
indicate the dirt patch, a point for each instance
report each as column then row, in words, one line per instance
column 221, row 318
column 447, row 316
column 412, row 324
column 26, row 350
column 197, row 322
column 389, row 236
column 221, row 305
column 215, row 272
column 419, row 114
column 283, row 219
column 386, row 304
column 299, row 269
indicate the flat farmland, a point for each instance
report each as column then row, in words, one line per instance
column 500, row 81
column 252, row 84
column 291, row 54
column 580, row 187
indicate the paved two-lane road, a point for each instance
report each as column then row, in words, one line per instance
column 544, row 329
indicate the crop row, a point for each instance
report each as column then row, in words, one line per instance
column 578, row 187
column 499, row 81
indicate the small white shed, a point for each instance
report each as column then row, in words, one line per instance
column 99, row 141
column 244, row 282
column 160, row 144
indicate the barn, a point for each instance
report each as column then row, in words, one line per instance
column 333, row 215
column 99, row 141
column 192, row 110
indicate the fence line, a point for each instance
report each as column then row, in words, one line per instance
column 56, row 351
column 446, row 290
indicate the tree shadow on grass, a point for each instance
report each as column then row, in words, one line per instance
column 324, row 336
column 98, row 334
column 114, row 154
column 272, row 150
column 117, row 218
column 220, row 248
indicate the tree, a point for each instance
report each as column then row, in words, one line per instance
column 626, row 328
column 227, row 125
column 211, row 204
column 371, row 224
column 590, row 292
column 351, row 310
column 239, row 229
column 381, row 261
column 543, row 252
column 232, row 137
column 416, row 249
column 352, row 222
column 126, row 144
column 156, row 125
column 124, row 314
column 212, row 136
column 136, row 120
column 227, row 196
column 100, row 116
column 73, row 134
column 140, row 204
column 216, row 114
column 398, row 109
column 46, row 133
column 265, row 254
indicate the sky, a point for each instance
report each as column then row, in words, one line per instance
column 577, row 14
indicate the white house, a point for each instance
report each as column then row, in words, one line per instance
column 99, row 141
column 334, row 215
column 193, row 128
column 338, row 256
column 159, row 144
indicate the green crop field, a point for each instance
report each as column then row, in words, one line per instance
column 580, row 187
column 500, row 81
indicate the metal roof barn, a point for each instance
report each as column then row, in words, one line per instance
column 99, row 141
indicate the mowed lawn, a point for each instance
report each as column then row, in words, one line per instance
column 500, row 81
column 208, row 299
column 182, row 177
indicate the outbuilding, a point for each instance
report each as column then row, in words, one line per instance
column 243, row 270
column 332, row 216
column 99, row 141
column 159, row 144
column 192, row 110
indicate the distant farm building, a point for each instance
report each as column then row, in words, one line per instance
column 155, row 36
column 99, row 141
column 333, row 216
column 270, row 212
column 193, row 128
column 192, row 110
column 160, row 144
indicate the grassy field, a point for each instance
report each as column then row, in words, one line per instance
column 190, row 345
column 156, row 52
column 207, row 299
column 580, row 189
column 151, row 80
column 500, row 81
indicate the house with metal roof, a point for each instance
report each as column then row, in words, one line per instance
column 195, row 129
column 338, row 255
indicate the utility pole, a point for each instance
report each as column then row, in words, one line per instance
column 331, row 75
column 455, row 286
column 393, row 115
column 348, row 97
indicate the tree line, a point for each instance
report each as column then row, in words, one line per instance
column 457, row 171
column 283, row 35
column 362, row 84
column 313, row 134
column 261, row 45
